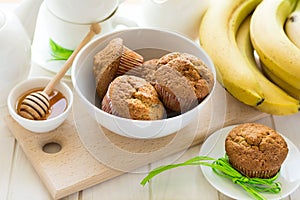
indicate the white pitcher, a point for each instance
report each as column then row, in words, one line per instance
column 16, row 30
column 181, row 16
column 66, row 22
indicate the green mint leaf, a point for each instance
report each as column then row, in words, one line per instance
column 58, row 52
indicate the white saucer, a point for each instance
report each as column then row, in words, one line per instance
column 214, row 147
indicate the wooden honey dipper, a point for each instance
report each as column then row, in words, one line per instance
column 36, row 105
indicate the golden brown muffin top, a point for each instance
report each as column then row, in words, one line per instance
column 135, row 98
column 200, row 66
column 193, row 69
column 255, row 147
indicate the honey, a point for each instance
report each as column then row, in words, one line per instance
column 57, row 101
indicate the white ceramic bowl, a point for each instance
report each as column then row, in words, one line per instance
column 38, row 126
column 134, row 38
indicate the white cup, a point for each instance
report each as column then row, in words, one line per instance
column 82, row 11
column 182, row 16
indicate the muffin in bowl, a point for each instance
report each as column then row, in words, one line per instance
column 106, row 65
column 182, row 80
column 113, row 60
column 133, row 97
column 256, row 150
column 140, row 40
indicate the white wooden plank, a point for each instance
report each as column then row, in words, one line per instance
column 289, row 126
column 7, row 143
column 6, row 152
column 125, row 187
column 183, row 182
column 268, row 121
column 24, row 183
column 4, row 131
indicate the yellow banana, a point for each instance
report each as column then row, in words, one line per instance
column 294, row 92
column 217, row 36
column 271, row 43
column 292, row 26
column 277, row 102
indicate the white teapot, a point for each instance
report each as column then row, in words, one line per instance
column 182, row 16
column 16, row 31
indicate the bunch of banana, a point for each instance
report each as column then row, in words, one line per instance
column 277, row 101
column 225, row 35
column 217, row 36
column 294, row 92
column 292, row 26
column 292, row 30
column 277, row 52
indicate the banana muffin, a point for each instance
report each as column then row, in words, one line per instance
column 146, row 70
column 256, row 150
column 106, row 65
column 133, row 98
column 182, row 81
column 114, row 60
column 199, row 65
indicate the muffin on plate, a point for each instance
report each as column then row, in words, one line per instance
column 182, row 80
column 256, row 150
column 133, row 98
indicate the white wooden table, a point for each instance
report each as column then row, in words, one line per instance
column 19, row 181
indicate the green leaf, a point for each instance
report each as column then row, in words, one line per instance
column 58, row 52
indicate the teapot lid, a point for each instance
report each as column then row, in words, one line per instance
column 2, row 18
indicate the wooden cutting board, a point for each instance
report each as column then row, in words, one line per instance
column 89, row 154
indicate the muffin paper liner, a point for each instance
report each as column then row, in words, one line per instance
column 174, row 103
column 256, row 174
column 106, row 104
column 129, row 60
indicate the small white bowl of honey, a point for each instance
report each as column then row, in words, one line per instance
column 61, row 101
